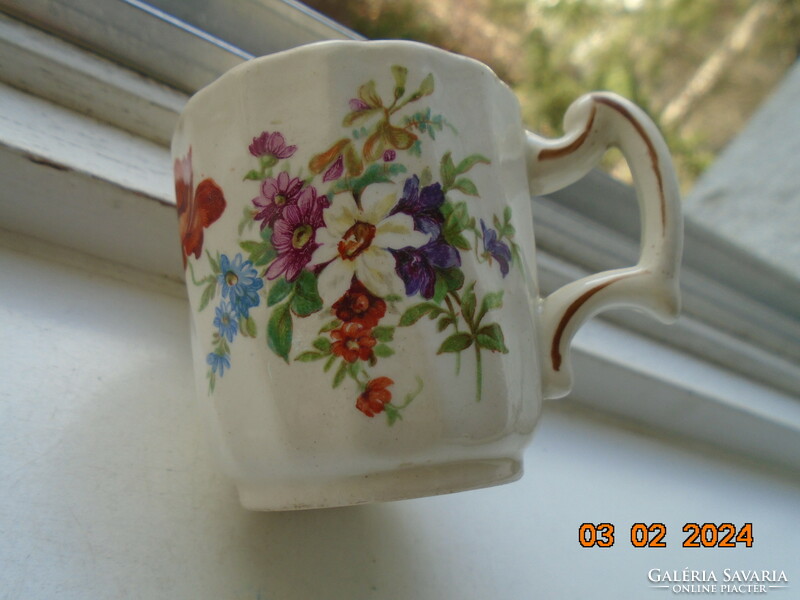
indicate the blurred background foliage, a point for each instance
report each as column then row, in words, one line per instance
column 700, row 68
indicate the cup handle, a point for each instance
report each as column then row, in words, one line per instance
column 593, row 123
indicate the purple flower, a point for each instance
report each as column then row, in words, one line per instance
column 423, row 206
column 356, row 105
column 495, row 248
column 415, row 266
column 276, row 194
column 271, row 144
column 294, row 235
column 389, row 155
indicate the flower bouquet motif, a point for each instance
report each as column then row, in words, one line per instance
column 359, row 238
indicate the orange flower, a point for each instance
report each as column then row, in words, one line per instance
column 353, row 341
column 197, row 209
column 375, row 396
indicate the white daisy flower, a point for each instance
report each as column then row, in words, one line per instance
column 356, row 241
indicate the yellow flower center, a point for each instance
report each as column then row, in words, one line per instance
column 301, row 235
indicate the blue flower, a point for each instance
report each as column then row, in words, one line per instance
column 218, row 362
column 240, row 283
column 415, row 266
column 423, row 205
column 495, row 248
column 225, row 321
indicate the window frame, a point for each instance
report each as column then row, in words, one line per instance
column 91, row 111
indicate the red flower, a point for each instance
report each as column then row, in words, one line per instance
column 373, row 399
column 353, row 342
column 358, row 305
column 195, row 211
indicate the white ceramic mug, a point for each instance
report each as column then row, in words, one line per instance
column 356, row 224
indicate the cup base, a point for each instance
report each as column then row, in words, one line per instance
column 400, row 484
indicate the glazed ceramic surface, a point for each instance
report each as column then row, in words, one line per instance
column 356, row 225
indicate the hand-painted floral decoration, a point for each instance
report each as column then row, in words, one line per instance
column 357, row 238
column 197, row 208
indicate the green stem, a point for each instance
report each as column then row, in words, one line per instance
column 473, row 329
column 191, row 272
column 479, row 372
column 454, row 316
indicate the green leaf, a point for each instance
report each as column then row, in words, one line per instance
column 259, row 253
column 279, row 331
column 470, row 161
column 491, row 338
column 383, row 333
column 306, row 299
column 309, row 356
column 447, row 170
column 468, row 302
column 507, row 214
column 439, row 289
column 341, row 372
column 426, row 177
column 426, row 87
column 507, row 231
column 211, row 381
column 208, row 294
column 457, row 218
column 214, row 262
column 335, row 324
column 416, row 312
column 459, row 241
column 375, row 173
column 465, row 186
column 247, row 326
column 329, row 363
column 322, row 344
column 456, row 343
column 444, row 323
column 491, row 301
column 255, row 175
column 279, row 290
column 392, row 413
column 454, row 277
column 352, row 369
column 382, row 350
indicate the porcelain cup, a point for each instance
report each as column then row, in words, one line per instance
column 356, row 226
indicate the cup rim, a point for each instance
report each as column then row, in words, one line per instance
column 315, row 47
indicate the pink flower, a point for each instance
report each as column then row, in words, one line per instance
column 276, row 194
column 335, row 171
column 356, row 104
column 271, row 144
column 294, row 234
